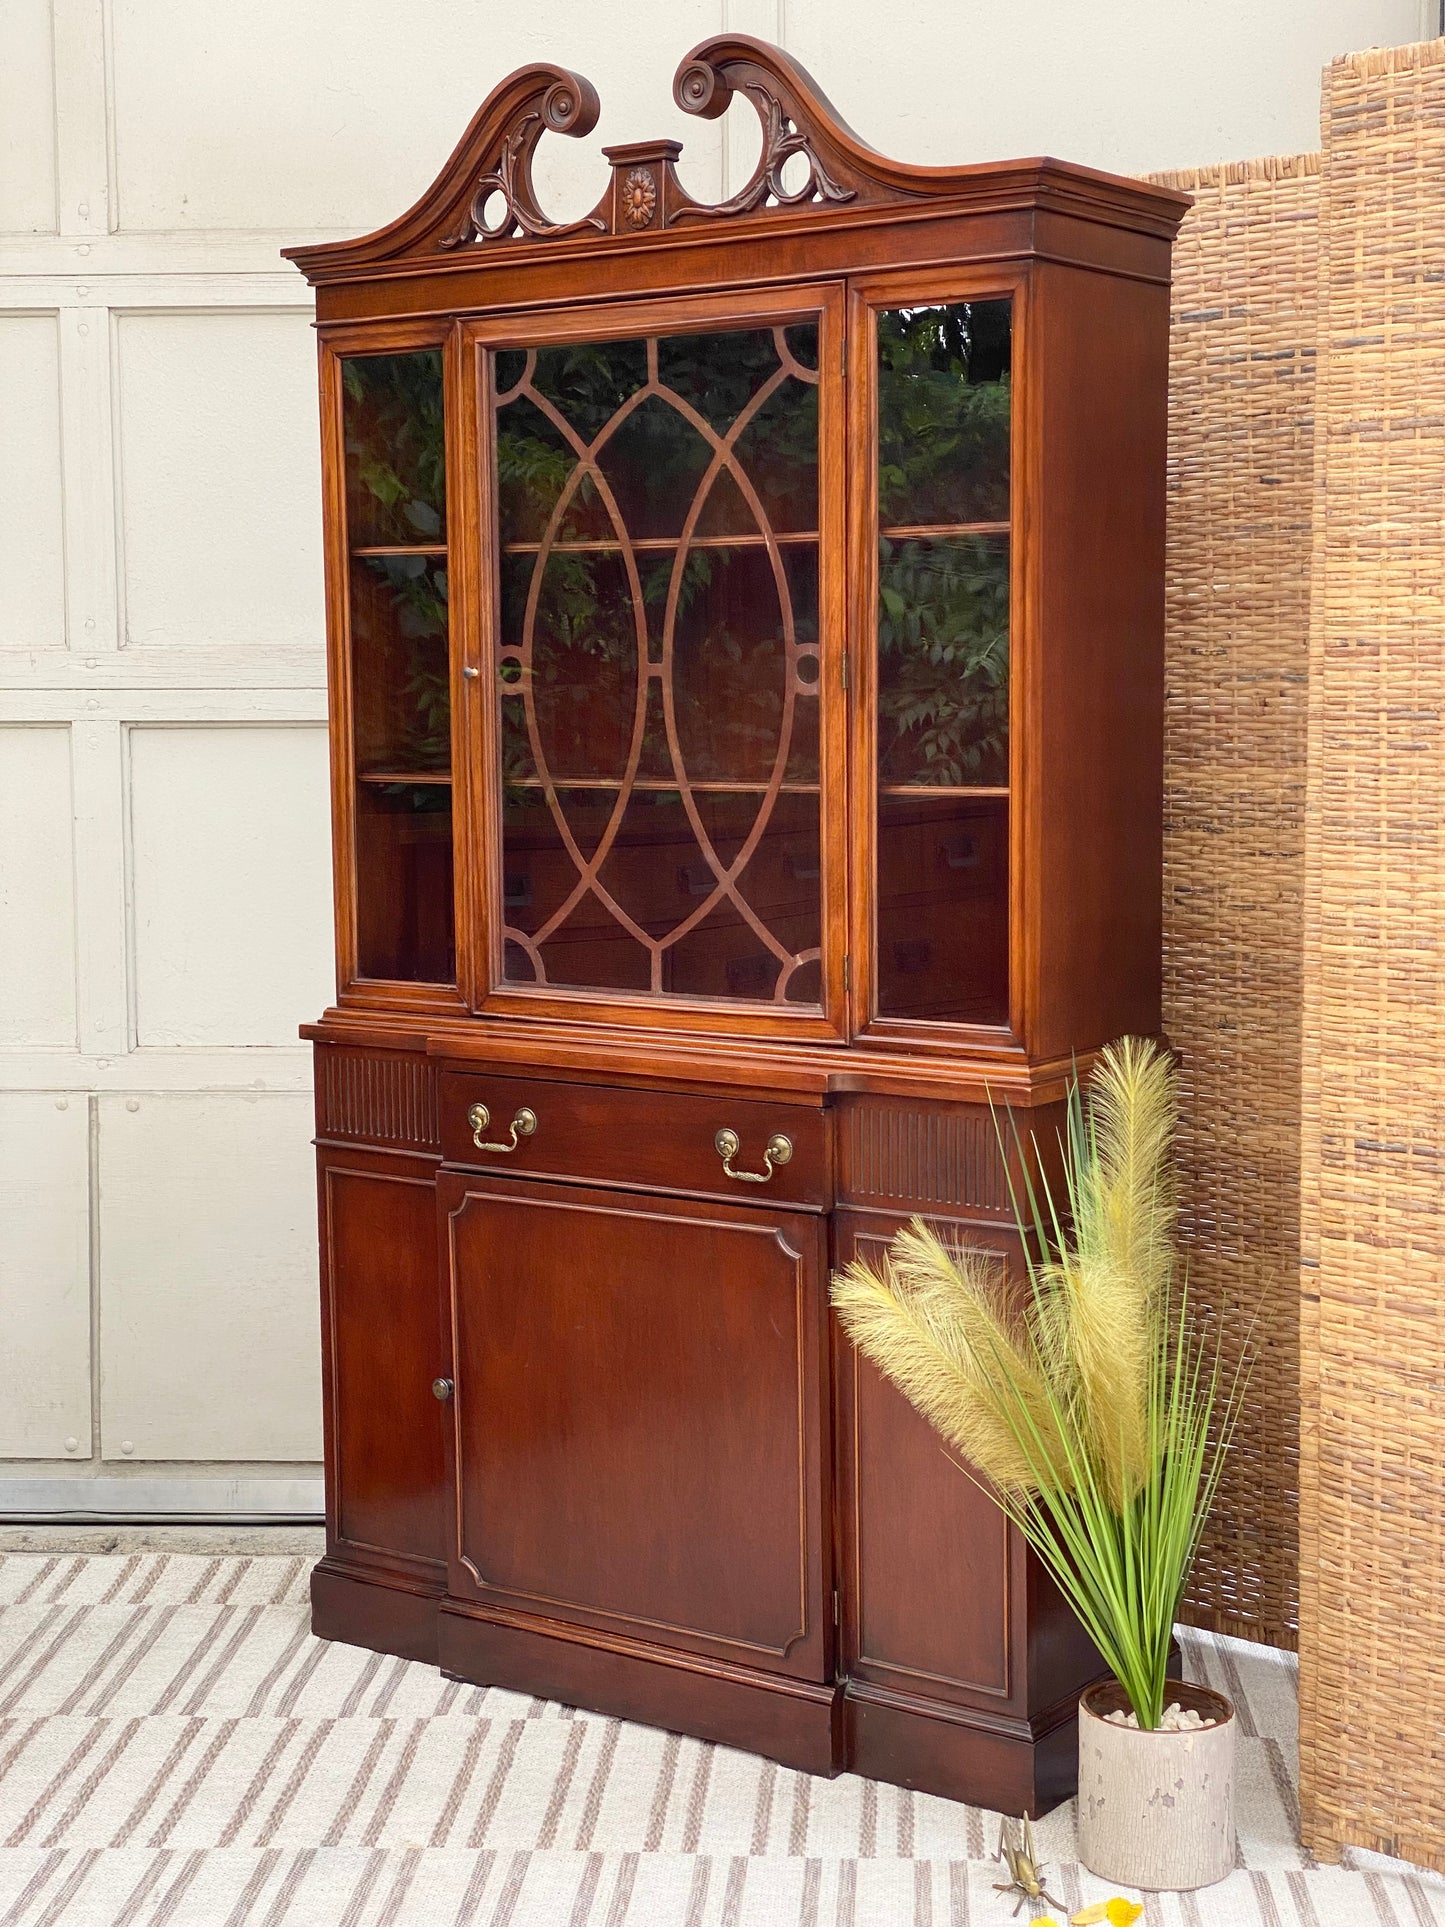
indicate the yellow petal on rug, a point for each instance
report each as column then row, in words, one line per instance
column 1118, row 1912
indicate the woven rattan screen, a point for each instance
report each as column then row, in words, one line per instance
column 1372, row 1644
column 1241, row 437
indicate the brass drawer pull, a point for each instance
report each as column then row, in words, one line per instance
column 523, row 1125
column 778, row 1150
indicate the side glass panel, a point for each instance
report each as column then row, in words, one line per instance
column 400, row 665
column 657, row 664
column 943, row 656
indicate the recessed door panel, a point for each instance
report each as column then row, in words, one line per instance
column 929, row 1567
column 384, row 1339
column 637, row 1415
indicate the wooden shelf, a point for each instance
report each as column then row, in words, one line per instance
column 401, row 548
column 716, row 786
column 421, row 778
column 943, row 789
column 705, row 786
column 653, row 544
column 661, row 783
column 931, row 531
column 412, row 778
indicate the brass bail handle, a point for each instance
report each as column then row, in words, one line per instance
column 777, row 1151
column 523, row 1125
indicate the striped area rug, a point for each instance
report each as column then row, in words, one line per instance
column 176, row 1748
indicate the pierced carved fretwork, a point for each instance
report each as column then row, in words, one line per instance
column 485, row 194
column 569, row 106
column 781, row 141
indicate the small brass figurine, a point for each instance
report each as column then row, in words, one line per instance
column 1026, row 1876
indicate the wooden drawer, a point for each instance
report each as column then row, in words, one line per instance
column 647, row 1139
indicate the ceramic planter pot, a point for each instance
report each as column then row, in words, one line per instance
column 1156, row 1810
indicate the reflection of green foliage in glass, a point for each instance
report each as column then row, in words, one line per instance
column 943, row 414
column 422, row 799
column 943, row 661
column 395, row 440
column 395, row 447
column 533, row 462
column 656, row 457
column 418, row 588
column 718, row 374
column 943, row 457
column 589, row 381
column 585, row 637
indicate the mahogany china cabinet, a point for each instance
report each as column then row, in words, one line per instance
column 746, row 693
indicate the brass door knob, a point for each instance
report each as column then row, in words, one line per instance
column 441, row 1388
column 777, row 1151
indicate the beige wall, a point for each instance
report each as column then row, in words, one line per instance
column 164, row 912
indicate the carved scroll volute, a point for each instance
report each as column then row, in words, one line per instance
column 797, row 119
column 503, row 201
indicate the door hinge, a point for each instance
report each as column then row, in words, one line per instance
column 837, row 1608
column 845, row 668
column 847, row 971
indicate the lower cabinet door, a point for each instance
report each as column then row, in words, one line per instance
column 917, row 1532
column 382, row 1318
column 639, row 1417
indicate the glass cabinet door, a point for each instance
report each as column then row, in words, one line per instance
column 657, row 664
column 942, row 859
column 398, row 629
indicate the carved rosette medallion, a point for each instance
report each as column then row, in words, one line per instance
column 638, row 198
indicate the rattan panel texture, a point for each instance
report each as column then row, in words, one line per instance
column 1372, row 1643
column 1241, row 428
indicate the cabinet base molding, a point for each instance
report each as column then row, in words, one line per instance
column 389, row 1612
column 960, row 1755
column 796, row 1722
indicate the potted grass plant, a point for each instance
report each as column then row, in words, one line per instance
column 1087, row 1403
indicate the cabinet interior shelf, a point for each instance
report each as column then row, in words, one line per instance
column 706, row 787
column 440, row 778
column 401, row 548
column 943, row 789
column 927, row 531
column 754, row 539
column 653, row 544
column 413, row 778
column 739, row 786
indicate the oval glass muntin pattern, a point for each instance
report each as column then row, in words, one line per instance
column 588, row 466
column 809, row 679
